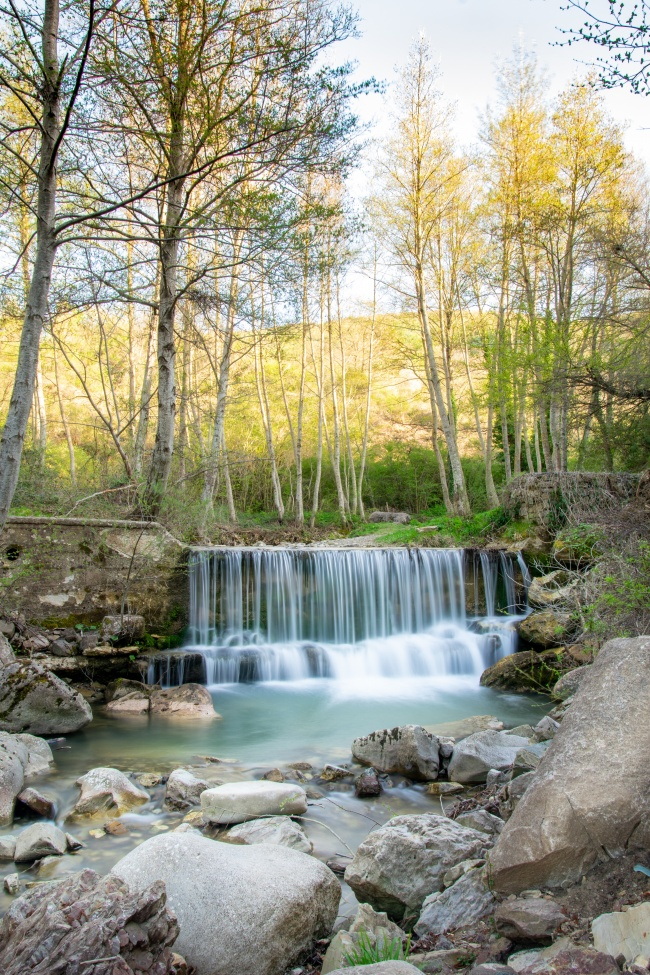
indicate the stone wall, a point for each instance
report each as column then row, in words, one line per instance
column 577, row 496
column 65, row 571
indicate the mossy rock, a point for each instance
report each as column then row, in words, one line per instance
column 546, row 628
column 525, row 671
column 579, row 546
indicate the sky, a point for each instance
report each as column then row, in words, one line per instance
column 469, row 38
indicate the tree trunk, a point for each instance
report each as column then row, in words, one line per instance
column 13, row 434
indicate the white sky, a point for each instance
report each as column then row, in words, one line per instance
column 469, row 38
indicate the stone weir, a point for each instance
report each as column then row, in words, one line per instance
column 294, row 613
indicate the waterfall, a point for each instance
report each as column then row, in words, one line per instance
column 259, row 614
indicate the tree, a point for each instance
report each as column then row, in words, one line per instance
column 622, row 27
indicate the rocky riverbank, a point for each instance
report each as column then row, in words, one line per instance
column 518, row 853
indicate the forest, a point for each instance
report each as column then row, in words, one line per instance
column 201, row 322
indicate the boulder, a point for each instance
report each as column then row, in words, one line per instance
column 136, row 702
column 546, row 628
column 186, row 701
column 238, row 802
column 123, row 687
column 14, row 758
column 242, row 910
column 569, row 683
column 476, row 755
column 367, row 785
column 530, row 919
column 107, row 790
column 39, row 754
column 624, row 933
column 384, row 517
column 36, row 701
column 462, row 904
column 410, row 750
column 590, row 796
column 183, row 789
column 12, row 883
column 429, row 844
column 523, row 671
column 37, row 802
column 276, row 830
column 38, row 841
column 86, row 923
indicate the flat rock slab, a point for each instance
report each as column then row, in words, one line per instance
column 242, row 910
column 623, row 932
column 464, row 903
column 578, row 805
column 238, row 802
column 276, row 830
column 573, row 961
column 533, row 919
column 477, row 754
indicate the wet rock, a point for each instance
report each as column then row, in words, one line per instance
column 546, row 628
column 123, row 628
column 183, row 789
column 569, row 683
column 476, row 755
column 523, row 671
column 73, row 843
column 66, row 925
column 242, row 910
column 579, row 805
column 410, row 750
column 115, row 828
column 277, row 830
column 7, row 847
column 148, row 780
column 35, row 701
column 332, row 773
column 186, row 701
column 429, row 844
column 37, row 802
column 39, row 840
column 367, row 785
column 624, row 933
column 12, row 883
column 274, row 775
column 237, row 802
column 462, row 904
column 482, row 821
column 533, row 919
column 107, row 790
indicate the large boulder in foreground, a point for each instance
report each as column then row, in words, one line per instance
column 410, row 750
column 88, row 923
column 404, row 861
column 242, row 910
column 590, row 795
column 36, row 701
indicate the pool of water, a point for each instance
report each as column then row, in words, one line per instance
column 262, row 726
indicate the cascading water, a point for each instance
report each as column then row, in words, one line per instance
column 348, row 614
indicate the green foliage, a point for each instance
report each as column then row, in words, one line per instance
column 621, row 607
column 581, row 544
column 367, row 952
